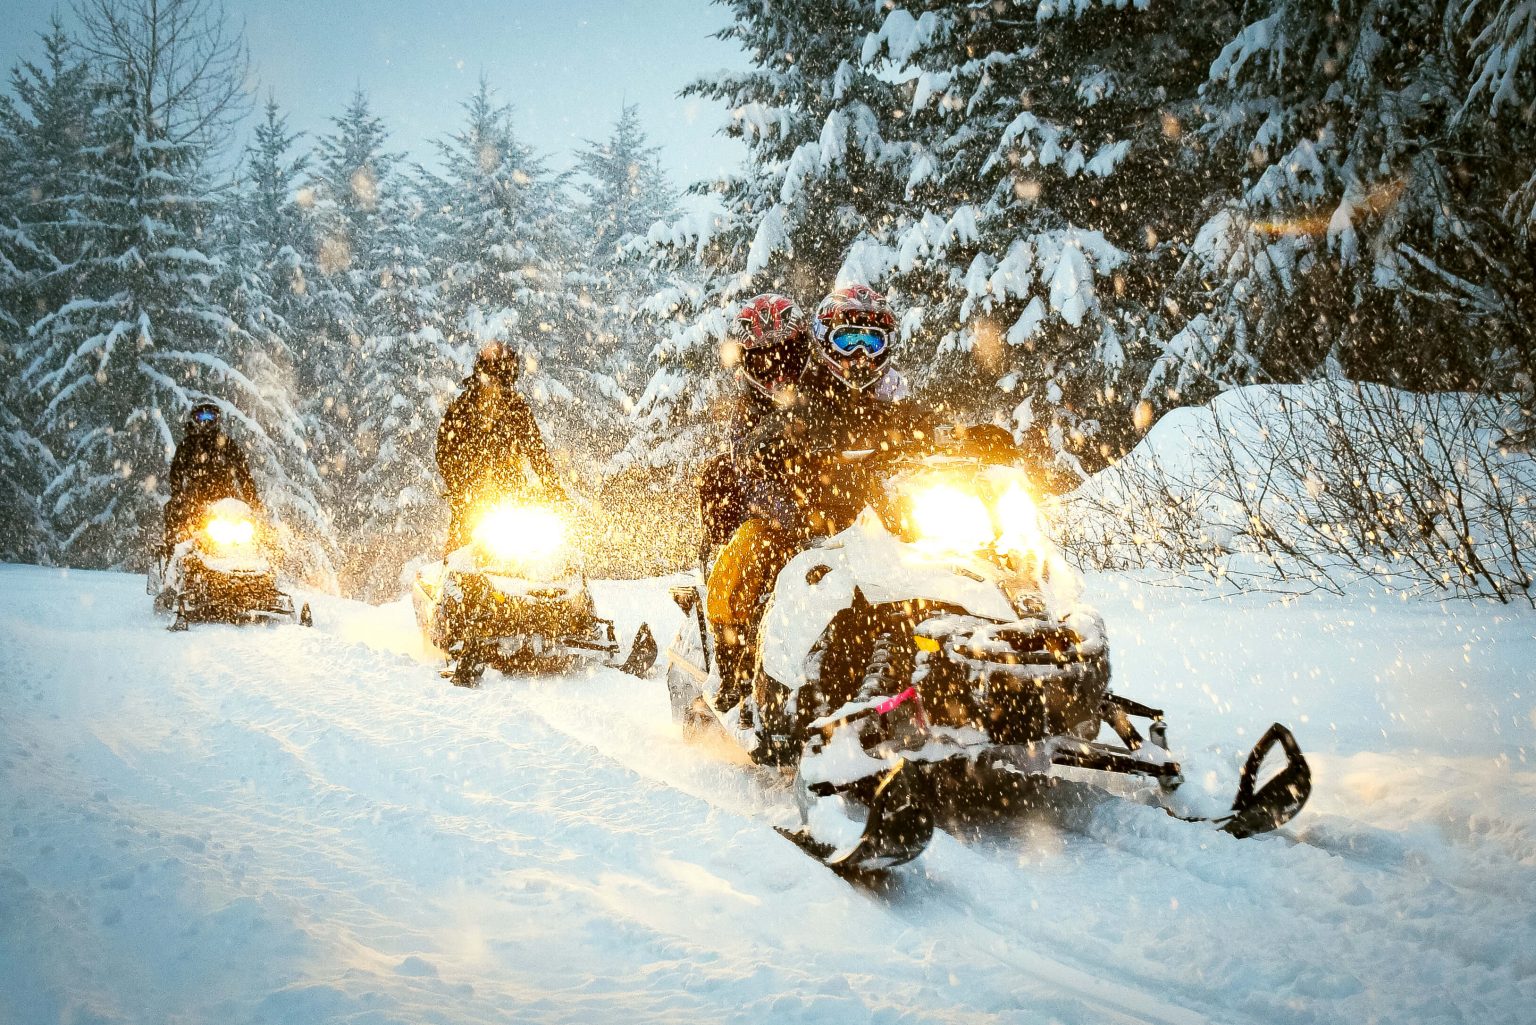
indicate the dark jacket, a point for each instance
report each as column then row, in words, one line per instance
column 791, row 454
column 487, row 439
column 207, row 466
column 728, row 484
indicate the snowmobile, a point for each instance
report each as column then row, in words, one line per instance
column 516, row 598
column 937, row 651
column 221, row 573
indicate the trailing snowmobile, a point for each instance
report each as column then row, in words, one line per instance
column 516, row 598
column 935, row 651
column 221, row 573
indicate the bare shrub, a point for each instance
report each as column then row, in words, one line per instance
column 1319, row 484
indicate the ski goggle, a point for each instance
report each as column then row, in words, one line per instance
column 205, row 416
column 851, row 340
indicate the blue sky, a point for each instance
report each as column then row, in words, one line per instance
column 565, row 67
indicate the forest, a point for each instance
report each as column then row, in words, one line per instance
column 1088, row 214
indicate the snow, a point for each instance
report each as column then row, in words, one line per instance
column 286, row 825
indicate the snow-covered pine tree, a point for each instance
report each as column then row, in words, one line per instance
column 264, row 286
column 506, row 254
column 1358, row 233
column 821, row 176
column 42, row 124
column 375, row 367
column 409, row 372
column 140, row 336
column 1049, row 190
column 624, row 192
column 1498, row 44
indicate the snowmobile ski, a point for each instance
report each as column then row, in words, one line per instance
column 642, row 653
column 1271, row 805
column 897, row 830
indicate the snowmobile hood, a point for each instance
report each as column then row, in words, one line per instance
column 819, row 582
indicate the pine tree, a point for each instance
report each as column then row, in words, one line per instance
column 508, row 269
column 378, row 366
column 1361, row 213
column 264, row 285
column 821, row 178
column 140, row 336
column 625, row 191
column 42, row 123
column 1048, row 192
column 1498, row 42
column 352, row 170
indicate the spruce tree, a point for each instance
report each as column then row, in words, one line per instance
column 377, row 367
column 264, row 286
column 624, row 192
column 508, row 269
column 141, row 336
column 42, row 124
column 821, row 177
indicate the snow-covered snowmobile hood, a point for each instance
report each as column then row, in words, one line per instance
column 819, row 583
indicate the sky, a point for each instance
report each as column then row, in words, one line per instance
column 566, row 67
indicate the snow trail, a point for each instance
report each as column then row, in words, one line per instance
column 278, row 824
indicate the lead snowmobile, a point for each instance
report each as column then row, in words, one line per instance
column 936, row 651
column 515, row 598
column 221, row 573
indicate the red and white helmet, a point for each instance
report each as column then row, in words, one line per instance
column 854, row 328
column 770, row 331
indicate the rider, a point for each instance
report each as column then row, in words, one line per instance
column 488, row 439
column 771, row 335
column 207, row 466
column 848, row 402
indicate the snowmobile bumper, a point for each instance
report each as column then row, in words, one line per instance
column 233, row 596
column 554, row 621
column 520, row 626
column 1020, row 682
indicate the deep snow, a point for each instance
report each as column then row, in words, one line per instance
column 272, row 824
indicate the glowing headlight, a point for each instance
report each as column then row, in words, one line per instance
column 227, row 533
column 946, row 517
column 1018, row 521
column 511, row 531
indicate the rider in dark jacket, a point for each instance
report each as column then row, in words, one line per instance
column 773, row 342
column 488, row 440
column 207, row 466
column 844, row 402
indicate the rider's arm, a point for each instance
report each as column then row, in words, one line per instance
column 240, row 469
column 450, row 448
column 531, row 441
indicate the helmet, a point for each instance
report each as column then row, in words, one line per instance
column 203, row 417
column 770, row 330
column 499, row 362
column 854, row 328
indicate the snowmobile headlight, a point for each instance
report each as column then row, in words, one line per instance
column 945, row 517
column 1018, row 523
column 230, row 533
column 512, row 531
